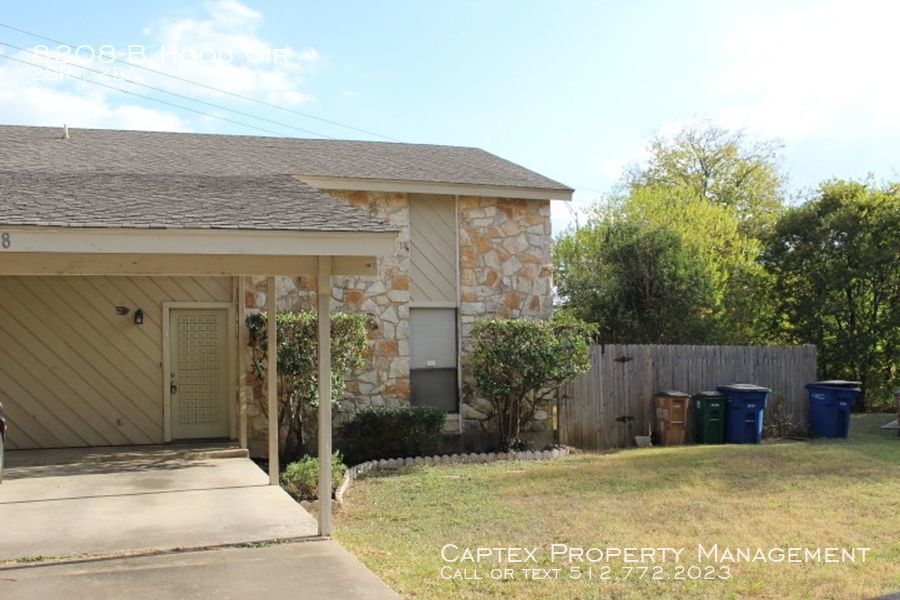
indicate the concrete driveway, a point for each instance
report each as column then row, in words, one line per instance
column 86, row 502
column 149, row 523
column 301, row 570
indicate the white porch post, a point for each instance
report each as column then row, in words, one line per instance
column 272, row 377
column 324, row 292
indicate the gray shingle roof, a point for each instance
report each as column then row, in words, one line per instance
column 108, row 178
column 127, row 200
column 160, row 153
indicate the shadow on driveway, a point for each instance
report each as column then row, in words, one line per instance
column 141, row 500
column 314, row 569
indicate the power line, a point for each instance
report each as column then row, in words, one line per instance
column 208, row 87
column 145, row 97
column 164, row 91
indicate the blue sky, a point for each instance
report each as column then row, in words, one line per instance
column 570, row 89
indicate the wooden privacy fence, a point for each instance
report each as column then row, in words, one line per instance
column 613, row 402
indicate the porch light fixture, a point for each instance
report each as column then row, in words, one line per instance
column 138, row 317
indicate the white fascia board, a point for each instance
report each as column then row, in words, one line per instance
column 424, row 187
column 196, row 241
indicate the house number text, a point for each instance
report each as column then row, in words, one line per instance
column 5, row 240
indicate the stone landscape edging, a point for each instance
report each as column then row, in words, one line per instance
column 353, row 473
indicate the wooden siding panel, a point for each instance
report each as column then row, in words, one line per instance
column 75, row 373
column 38, row 422
column 78, row 333
column 432, row 221
column 24, row 333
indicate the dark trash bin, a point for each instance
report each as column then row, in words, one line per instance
column 671, row 416
column 830, row 405
column 709, row 417
column 745, row 411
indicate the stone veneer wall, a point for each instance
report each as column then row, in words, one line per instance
column 505, row 272
column 384, row 380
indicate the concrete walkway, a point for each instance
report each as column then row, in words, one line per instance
column 313, row 569
column 77, row 502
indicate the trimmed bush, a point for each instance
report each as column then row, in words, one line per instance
column 301, row 478
column 515, row 361
column 298, row 348
column 395, row 432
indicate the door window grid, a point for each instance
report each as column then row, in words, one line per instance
column 199, row 363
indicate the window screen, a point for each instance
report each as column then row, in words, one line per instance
column 433, row 377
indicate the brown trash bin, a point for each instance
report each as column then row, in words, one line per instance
column 671, row 416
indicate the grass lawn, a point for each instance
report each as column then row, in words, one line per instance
column 788, row 494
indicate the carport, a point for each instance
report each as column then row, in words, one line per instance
column 116, row 228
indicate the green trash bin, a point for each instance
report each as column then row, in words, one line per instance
column 709, row 417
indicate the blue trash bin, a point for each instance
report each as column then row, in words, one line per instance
column 830, row 405
column 744, row 412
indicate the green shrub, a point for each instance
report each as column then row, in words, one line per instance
column 301, row 478
column 298, row 348
column 514, row 361
column 396, row 432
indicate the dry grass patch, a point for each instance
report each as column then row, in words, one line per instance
column 816, row 494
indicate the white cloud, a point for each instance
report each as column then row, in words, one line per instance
column 610, row 162
column 819, row 68
column 805, row 73
column 612, row 169
column 223, row 50
column 231, row 14
column 36, row 96
column 219, row 48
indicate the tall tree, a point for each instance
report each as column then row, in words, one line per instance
column 724, row 167
column 836, row 264
column 664, row 265
column 638, row 284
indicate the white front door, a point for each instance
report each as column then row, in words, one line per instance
column 199, row 372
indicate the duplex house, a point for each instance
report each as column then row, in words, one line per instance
column 129, row 259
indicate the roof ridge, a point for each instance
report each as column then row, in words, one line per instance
column 75, row 129
column 52, row 173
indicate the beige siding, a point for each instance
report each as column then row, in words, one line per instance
column 75, row 373
column 432, row 236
